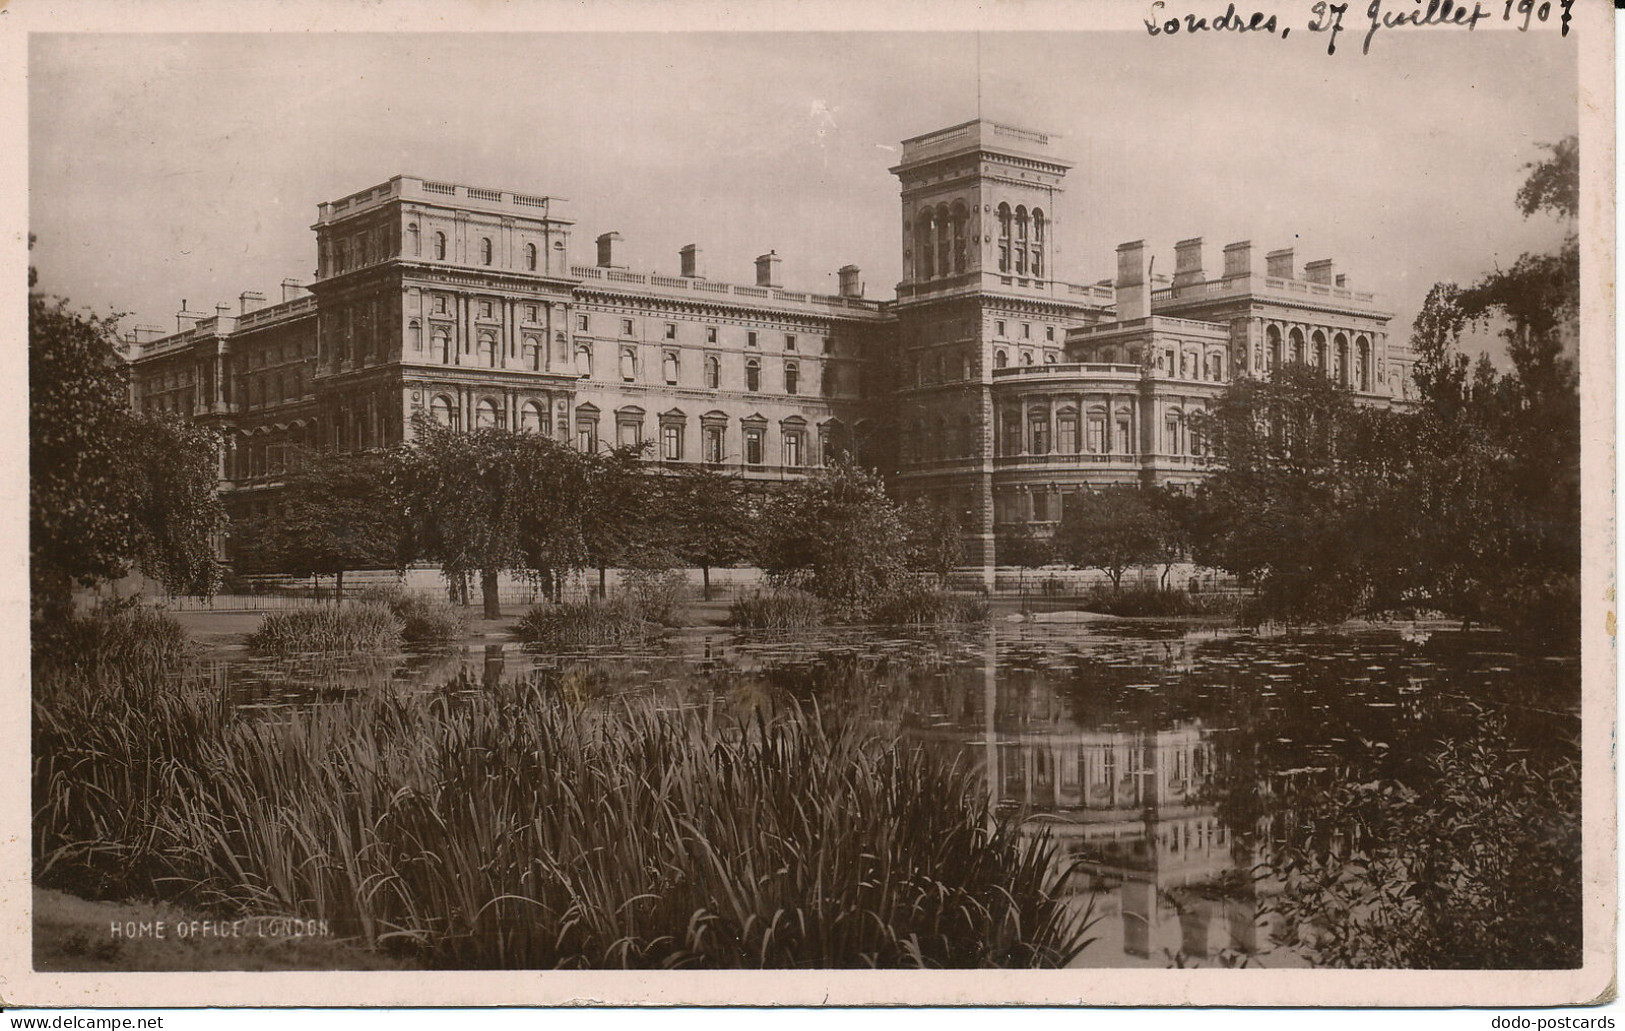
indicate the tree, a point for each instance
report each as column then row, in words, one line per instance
column 933, row 539
column 109, row 490
column 494, row 500
column 1025, row 549
column 1112, row 529
column 338, row 512
column 835, row 534
column 623, row 529
column 709, row 515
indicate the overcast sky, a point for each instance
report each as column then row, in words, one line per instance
column 170, row 167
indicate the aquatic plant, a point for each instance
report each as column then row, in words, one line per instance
column 923, row 603
column 316, row 627
column 1160, row 602
column 522, row 827
column 117, row 639
column 618, row 619
column 425, row 618
column 784, row 609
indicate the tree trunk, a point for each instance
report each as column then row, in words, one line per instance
column 488, row 588
column 1117, row 579
column 603, row 580
column 705, row 578
column 338, row 588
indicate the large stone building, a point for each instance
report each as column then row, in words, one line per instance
column 989, row 383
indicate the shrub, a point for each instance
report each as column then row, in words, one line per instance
column 659, row 594
column 1153, row 601
column 349, row 627
column 785, row 609
column 520, row 828
column 118, row 639
column 425, row 618
column 921, row 603
column 595, row 621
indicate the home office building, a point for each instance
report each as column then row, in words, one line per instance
column 988, row 383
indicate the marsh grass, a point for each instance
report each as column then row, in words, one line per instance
column 116, row 640
column 784, row 609
column 922, row 604
column 619, row 620
column 348, row 628
column 1160, row 602
column 425, row 618
column 522, row 827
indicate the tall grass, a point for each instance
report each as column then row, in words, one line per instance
column 425, row 618
column 524, row 828
column 784, row 609
column 116, row 640
column 619, row 619
column 349, row 627
column 925, row 604
column 1154, row 601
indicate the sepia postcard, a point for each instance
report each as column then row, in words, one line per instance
column 809, row 504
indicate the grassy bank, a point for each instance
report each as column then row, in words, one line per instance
column 525, row 827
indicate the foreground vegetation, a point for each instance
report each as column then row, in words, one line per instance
column 524, row 826
column 349, row 627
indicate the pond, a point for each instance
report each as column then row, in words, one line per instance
column 1156, row 754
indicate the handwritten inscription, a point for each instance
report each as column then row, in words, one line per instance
column 1329, row 18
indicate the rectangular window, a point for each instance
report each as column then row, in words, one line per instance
column 1040, row 428
column 792, row 449
column 713, row 444
column 1040, row 507
column 587, row 436
column 1067, row 436
column 1026, row 331
column 581, row 323
column 750, row 338
column 1097, row 436
column 626, row 327
column 710, row 334
column 671, row 331
column 829, row 346
column 1123, row 437
column 753, row 447
column 789, row 342
column 485, row 309
column 627, row 433
column 530, row 313
column 998, row 328
column 1049, row 332
column 671, row 443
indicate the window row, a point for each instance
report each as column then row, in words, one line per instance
column 671, row 331
column 1021, row 240
column 1024, row 330
column 529, row 254
column 671, row 371
column 1348, row 364
column 1094, row 433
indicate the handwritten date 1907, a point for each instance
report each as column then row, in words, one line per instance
column 1380, row 14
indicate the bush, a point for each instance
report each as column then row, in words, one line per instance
column 776, row 610
column 1158, row 602
column 521, row 828
column 618, row 619
column 659, row 594
column 425, row 618
column 349, row 627
column 924, row 604
column 118, row 639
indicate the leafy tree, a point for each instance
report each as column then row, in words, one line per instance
column 836, row 534
column 710, row 516
column 933, row 540
column 623, row 531
column 108, row 489
column 338, row 512
column 494, row 500
column 1025, row 549
column 1113, row 529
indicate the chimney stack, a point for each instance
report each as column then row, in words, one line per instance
column 851, row 283
column 1188, row 262
column 1342, row 280
column 689, row 256
column 1238, row 259
column 291, row 288
column 1133, row 295
column 185, row 317
column 1278, row 264
column 1319, row 272
column 767, row 269
column 609, row 251
column 249, row 300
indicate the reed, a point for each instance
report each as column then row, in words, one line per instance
column 922, row 604
column 425, row 618
column 776, row 610
column 1159, row 602
column 348, row 628
column 619, row 619
column 523, row 827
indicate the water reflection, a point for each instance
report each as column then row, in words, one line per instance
column 1157, row 756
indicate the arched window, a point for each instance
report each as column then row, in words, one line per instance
column 1000, row 359
column 443, row 411
column 713, row 371
column 412, row 239
column 792, row 378
column 669, row 367
column 1318, row 354
column 945, row 241
column 1362, row 364
column 486, row 414
column 583, row 360
column 1049, row 357
column 440, row 246
column 924, row 245
column 1037, row 246
column 414, row 335
column 1026, row 357
column 442, row 344
column 533, row 353
column 1021, row 240
column 959, row 219
column 629, row 364
column 1004, row 238
column 533, row 417
column 485, row 250
column 1340, row 359
column 488, row 348
column 1295, row 345
column 1272, row 337
column 530, row 257
column 753, row 374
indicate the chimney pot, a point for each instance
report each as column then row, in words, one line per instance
column 249, row 300
column 850, row 277
column 1133, row 295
